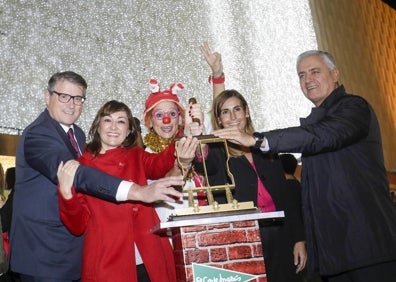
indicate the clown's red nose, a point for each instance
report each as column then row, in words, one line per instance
column 166, row 120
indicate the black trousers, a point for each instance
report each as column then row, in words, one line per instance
column 142, row 273
column 6, row 278
column 278, row 254
column 382, row 272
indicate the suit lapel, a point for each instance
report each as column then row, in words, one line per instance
column 61, row 132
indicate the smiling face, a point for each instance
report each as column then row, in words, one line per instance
column 232, row 113
column 165, row 119
column 113, row 129
column 317, row 81
column 64, row 113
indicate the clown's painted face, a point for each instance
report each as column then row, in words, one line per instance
column 165, row 119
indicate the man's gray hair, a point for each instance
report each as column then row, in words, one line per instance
column 327, row 57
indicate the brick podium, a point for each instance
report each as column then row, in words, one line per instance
column 229, row 242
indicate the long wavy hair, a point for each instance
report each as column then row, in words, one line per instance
column 95, row 145
column 218, row 102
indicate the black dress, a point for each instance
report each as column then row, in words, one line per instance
column 277, row 239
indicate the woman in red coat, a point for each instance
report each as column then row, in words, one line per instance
column 111, row 229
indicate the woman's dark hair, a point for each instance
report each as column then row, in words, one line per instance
column 109, row 108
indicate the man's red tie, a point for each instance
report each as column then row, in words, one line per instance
column 73, row 141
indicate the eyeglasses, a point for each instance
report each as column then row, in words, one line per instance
column 160, row 114
column 65, row 98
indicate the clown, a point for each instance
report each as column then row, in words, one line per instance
column 166, row 118
column 163, row 116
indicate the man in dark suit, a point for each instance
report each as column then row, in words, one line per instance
column 42, row 249
column 349, row 218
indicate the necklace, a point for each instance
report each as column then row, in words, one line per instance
column 155, row 142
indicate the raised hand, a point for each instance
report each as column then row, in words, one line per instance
column 194, row 120
column 213, row 59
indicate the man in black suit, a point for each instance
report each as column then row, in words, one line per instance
column 349, row 218
column 42, row 249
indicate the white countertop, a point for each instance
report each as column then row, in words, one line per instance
column 216, row 218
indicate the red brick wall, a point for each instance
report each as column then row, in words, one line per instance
column 235, row 246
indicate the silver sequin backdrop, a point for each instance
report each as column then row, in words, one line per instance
column 119, row 45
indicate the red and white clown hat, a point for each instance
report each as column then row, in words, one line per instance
column 157, row 96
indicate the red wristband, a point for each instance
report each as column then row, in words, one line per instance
column 216, row 80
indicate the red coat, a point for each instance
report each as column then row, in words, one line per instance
column 111, row 229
